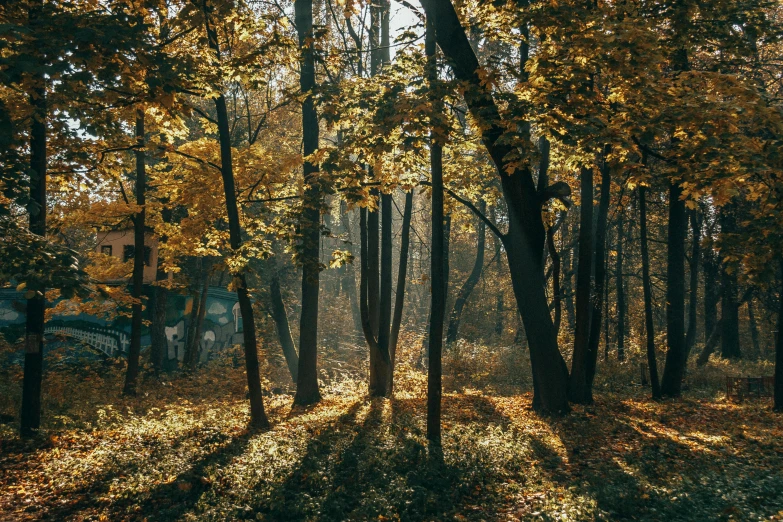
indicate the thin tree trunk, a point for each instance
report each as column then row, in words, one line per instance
column 620, row 290
column 647, row 288
column 754, row 331
column 280, row 317
column 307, row 391
column 711, row 292
column 499, row 296
column 710, row 345
column 690, row 337
column 600, row 275
column 402, row 275
column 568, row 274
column 470, row 283
column 730, row 341
column 380, row 362
column 779, row 354
column 159, row 347
column 193, row 351
column 137, row 282
column 557, row 298
column 437, row 261
column 258, row 417
column 36, row 306
column 674, row 369
column 577, row 389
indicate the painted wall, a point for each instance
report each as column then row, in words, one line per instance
column 222, row 324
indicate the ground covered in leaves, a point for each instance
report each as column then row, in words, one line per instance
column 181, row 450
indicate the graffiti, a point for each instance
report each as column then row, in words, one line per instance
column 221, row 328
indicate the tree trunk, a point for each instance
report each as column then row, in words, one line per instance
column 729, row 339
column 578, row 390
column 36, row 306
column 711, row 292
column 674, row 369
column 137, row 280
column 280, row 317
column 647, row 288
column 193, row 351
column 258, row 417
column 402, row 275
column 524, row 240
column 470, row 283
column 499, row 296
column 159, row 346
column 600, row 275
column 568, row 274
column 779, row 355
column 437, row 260
column 307, row 391
column 710, row 345
column 380, row 361
column 620, row 290
column 690, row 337
column 557, row 298
column 754, row 331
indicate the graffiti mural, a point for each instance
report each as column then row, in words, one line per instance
column 222, row 326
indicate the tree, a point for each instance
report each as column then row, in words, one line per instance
column 652, row 362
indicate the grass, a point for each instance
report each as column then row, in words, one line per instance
column 181, row 451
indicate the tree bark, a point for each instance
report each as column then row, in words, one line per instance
column 674, row 369
column 193, row 351
column 568, row 274
column 307, row 391
column 258, row 417
column 36, row 306
column 280, row 317
column 577, row 385
column 380, row 361
column 729, row 339
column 600, row 275
column 524, row 240
column 137, row 281
column 437, row 259
column 470, row 283
column 779, row 354
column 754, row 331
column 620, row 290
column 690, row 337
column 402, row 275
column 647, row 289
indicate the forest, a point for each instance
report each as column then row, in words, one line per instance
column 470, row 260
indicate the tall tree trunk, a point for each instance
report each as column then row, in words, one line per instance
column 779, row 353
column 258, row 417
column 674, row 369
column 556, row 288
column 380, row 362
column 437, row 260
column 600, row 275
column 620, row 290
column 307, row 391
column 754, row 331
column 280, row 317
column 36, row 306
column 568, row 274
column 647, row 288
column 711, row 291
column 402, row 275
column 470, row 282
column 690, row 337
column 525, row 238
column 578, row 391
column 137, row 280
column 499, row 295
column 159, row 347
column 729, row 339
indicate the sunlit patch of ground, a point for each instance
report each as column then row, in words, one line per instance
column 181, row 450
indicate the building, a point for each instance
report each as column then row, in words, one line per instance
column 119, row 243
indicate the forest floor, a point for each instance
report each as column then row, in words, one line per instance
column 181, row 450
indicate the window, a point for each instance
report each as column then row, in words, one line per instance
column 129, row 252
column 106, row 250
